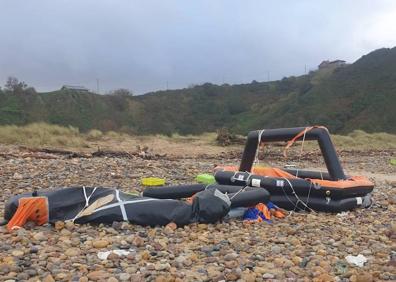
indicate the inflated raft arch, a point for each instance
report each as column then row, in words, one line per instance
column 295, row 189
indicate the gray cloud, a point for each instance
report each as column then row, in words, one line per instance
column 142, row 45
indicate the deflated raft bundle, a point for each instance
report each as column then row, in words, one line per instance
column 106, row 205
column 294, row 189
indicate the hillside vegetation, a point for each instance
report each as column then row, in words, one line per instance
column 361, row 95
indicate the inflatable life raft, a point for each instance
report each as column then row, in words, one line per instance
column 107, row 205
column 295, row 189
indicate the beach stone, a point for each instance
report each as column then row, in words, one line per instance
column 17, row 176
column 364, row 277
column 231, row 264
column 248, row 277
column 124, row 276
column 137, row 277
column 99, row 244
column 98, row 275
column 268, row 276
column 324, row 277
column 48, row 278
column 69, row 225
column 33, row 250
column 138, row 241
column 40, row 236
column 162, row 266
column 72, row 252
column 260, row 270
column 59, row 225
column 61, row 276
column 18, row 253
column 297, row 260
column 232, row 276
column 276, row 249
column 231, row 256
column 172, row 226
column 66, row 232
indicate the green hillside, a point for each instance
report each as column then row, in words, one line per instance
column 357, row 96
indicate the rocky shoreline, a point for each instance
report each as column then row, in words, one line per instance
column 301, row 247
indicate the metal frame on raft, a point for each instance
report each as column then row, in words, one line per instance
column 320, row 134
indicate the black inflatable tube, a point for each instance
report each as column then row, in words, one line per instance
column 317, row 204
column 185, row 191
column 174, row 192
column 285, row 134
column 309, row 174
column 250, row 196
column 280, row 186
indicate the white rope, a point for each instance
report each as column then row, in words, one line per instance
column 301, row 150
column 297, row 197
column 302, row 143
column 241, row 190
column 122, row 206
column 208, row 186
column 87, row 198
column 287, row 197
column 309, row 192
column 256, row 158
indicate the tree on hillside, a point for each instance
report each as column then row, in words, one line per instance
column 17, row 87
column 121, row 92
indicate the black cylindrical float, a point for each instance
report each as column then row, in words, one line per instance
column 317, row 204
column 284, row 186
column 239, row 196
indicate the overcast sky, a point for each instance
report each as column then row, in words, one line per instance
column 147, row 45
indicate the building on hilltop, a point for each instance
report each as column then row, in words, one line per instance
column 336, row 63
column 75, row 88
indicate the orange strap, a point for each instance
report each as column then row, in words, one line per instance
column 30, row 208
column 291, row 142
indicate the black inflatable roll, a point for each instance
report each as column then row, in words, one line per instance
column 280, row 186
column 208, row 206
column 67, row 204
column 250, row 196
column 309, row 174
column 174, row 192
column 317, row 204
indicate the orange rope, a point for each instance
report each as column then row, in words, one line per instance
column 294, row 139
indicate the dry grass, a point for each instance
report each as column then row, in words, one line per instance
column 41, row 134
column 38, row 135
column 45, row 135
column 361, row 140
